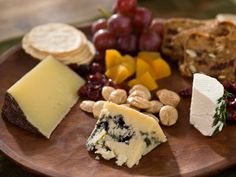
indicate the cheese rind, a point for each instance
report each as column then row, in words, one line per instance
column 125, row 134
column 44, row 95
column 206, row 92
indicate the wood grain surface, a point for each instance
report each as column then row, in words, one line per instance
column 19, row 16
column 186, row 153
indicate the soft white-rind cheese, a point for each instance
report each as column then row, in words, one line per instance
column 206, row 91
column 125, row 134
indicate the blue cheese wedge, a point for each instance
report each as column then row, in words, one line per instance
column 206, row 92
column 125, row 134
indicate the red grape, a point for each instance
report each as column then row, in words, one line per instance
column 99, row 24
column 149, row 41
column 142, row 19
column 127, row 43
column 126, row 6
column 157, row 26
column 103, row 39
column 119, row 24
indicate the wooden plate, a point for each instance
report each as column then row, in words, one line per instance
column 186, row 152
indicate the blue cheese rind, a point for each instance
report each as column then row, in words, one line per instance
column 206, row 92
column 124, row 134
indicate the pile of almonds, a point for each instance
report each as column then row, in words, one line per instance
column 139, row 98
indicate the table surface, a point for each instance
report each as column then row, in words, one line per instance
column 19, row 16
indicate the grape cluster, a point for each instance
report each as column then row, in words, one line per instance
column 130, row 29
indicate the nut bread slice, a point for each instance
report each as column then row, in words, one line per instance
column 224, row 29
column 180, row 39
column 172, row 28
column 209, row 54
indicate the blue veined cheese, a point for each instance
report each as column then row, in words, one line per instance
column 125, row 134
column 206, row 92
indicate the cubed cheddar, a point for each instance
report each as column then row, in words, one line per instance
column 119, row 67
column 112, row 58
column 161, row 68
column 148, row 56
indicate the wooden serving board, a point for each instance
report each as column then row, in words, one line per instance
column 186, row 153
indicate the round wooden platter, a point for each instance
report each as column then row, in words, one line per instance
column 186, row 153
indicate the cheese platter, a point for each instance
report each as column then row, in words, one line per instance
column 93, row 102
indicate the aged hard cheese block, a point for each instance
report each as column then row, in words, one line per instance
column 41, row 99
column 206, row 92
column 124, row 134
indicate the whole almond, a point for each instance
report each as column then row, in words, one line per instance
column 118, row 96
column 106, row 92
column 155, row 107
column 140, row 93
column 141, row 88
column 87, row 106
column 168, row 115
column 97, row 108
column 168, row 97
column 139, row 102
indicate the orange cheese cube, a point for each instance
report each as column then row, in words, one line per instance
column 148, row 56
column 142, row 67
column 129, row 63
column 112, row 58
column 161, row 68
column 147, row 80
column 118, row 73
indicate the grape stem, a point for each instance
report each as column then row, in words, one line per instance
column 105, row 13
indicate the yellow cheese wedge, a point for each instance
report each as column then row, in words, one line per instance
column 43, row 97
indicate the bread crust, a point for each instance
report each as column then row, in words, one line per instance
column 209, row 48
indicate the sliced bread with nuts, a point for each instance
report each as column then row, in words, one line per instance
column 212, row 53
column 180, row 39
column 172, row 28
column 206, row 46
